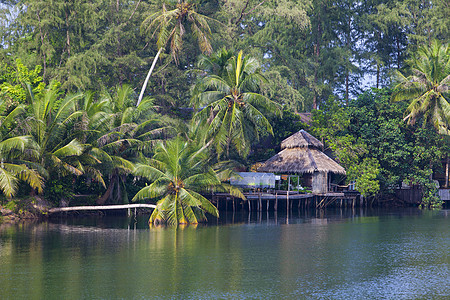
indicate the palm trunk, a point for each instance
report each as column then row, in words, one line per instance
column 144, row 86
column 106, row 195
column 446, row 172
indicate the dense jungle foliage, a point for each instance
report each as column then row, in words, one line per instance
column 91, row 90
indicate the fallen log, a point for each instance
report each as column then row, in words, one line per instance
column 100, row 207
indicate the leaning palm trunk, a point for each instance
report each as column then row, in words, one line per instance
column 144, row 86
column 167, row 25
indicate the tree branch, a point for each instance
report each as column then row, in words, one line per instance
column 243, row 13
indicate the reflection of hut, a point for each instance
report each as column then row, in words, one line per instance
column 301, row 154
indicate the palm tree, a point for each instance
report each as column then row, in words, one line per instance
column 168, row 25
column 232, row 105
column 179, row 172
column 216, row 63
column 119, row 131
column 428, row 87
column 14, row 153
column 51, row 124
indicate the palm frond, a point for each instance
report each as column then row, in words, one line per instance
column 74, row 148
column 8, row 183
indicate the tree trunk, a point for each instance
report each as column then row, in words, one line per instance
column 378, row 75
column 102, row 200
column 144, row 86
column 67, row 35
column 317, row 57
column 446, row 172
column 398, row 52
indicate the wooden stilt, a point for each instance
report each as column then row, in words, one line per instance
column 276, row 201
column 287, row 195
column 259, row 201
column 287, row 201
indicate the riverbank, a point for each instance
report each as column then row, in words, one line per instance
column 37, row 208
column 31, row 208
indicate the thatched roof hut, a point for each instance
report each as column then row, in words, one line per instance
column 301, row 155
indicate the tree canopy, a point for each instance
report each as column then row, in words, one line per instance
column 221, row 71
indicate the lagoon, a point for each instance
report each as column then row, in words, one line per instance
column 333, row 254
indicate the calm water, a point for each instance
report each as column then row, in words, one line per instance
column 334, row 255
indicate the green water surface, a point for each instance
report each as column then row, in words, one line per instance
column 328, row 255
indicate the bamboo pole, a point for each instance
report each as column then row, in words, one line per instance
column 100, row 207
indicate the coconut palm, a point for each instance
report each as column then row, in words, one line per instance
column 216, row 63
column 118, row 131
column 14, row 153
column 179, row 172
column 427, row 88
column 51, row 122
column 169, row 25
column 233, row 106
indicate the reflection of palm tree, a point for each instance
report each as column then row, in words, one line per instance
column 180, row 171
column 427, row 87
column 168, row 25
column 14, row 166
column 233, row 104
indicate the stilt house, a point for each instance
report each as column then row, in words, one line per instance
column 301, row 154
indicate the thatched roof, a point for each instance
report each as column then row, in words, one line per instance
column 301, row 139
column 301, row 160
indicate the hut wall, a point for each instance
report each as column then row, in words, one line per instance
column 320, row 182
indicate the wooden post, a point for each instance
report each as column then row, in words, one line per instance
column 276, row 201
column 287, row 194
column 259, row 201
column 234, row 207
column 249, row 205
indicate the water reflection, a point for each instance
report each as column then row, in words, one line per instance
column 330, row 254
